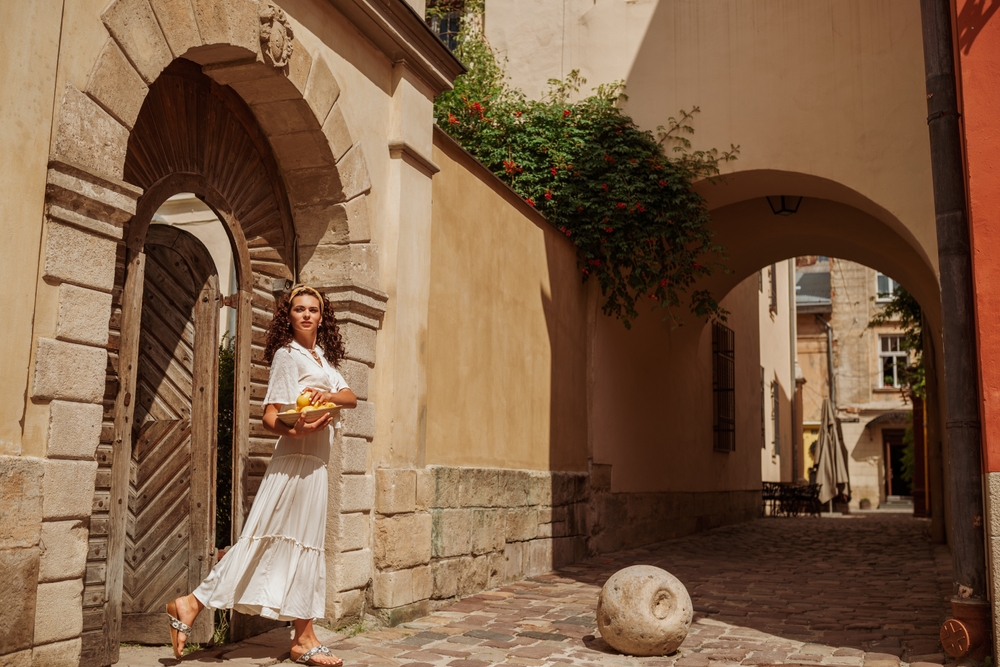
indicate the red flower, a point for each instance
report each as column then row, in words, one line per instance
column 548, row 195
column 663, row 183
column 640, row 208
column 654, row 297
column 579, row 209
column 554, row 171
column 609, row 229
column 663, row 283
column 595, row 262
column 530, row 201
column 517, row 114
column 587, row 273
column 566, row 112
column 697, row 266
column 452, row 120
column 604, row 186
column 565, row 231
column 620, row 204
column 608, row 158
column 633, row 160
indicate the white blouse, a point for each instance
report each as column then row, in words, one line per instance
column 294, row 369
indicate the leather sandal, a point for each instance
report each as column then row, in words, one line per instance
column 307, row 657
column 177, row 626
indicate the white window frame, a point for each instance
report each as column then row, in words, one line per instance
column 898, row 354
column 882, row 297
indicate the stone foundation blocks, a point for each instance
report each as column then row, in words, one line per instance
column 74, row 429
column 64, row 550
column 355, row 455
column 452, row 532
column 395, row 490
column 402, row 587
column 60, row 654
column 355, row 569
column 18, row 580
column 68, row 489
column 83, row 316
column 360, row 422
column 402, row 541
column 352, row 532
column 59, row 611
column 21, row 482
column 69, row 371
column 488, row 531
column 357, row 493
column 75, row 256
column 359, row 342
column 479, row 487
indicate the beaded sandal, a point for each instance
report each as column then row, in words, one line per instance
column 306, row 658
column 177, row 625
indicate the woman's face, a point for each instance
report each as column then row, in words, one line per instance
column 305, row 313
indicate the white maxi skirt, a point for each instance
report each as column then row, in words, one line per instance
column 277, row 568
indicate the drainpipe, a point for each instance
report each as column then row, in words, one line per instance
column 829, row 362
column 957, row 312
column 792, row 354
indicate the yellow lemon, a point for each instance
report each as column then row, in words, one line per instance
column 302, row 401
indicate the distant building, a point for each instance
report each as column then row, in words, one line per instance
column 835, row 301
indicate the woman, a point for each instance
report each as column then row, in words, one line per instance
column 277, row 568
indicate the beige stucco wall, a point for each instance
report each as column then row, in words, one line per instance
column 777, row 365
column 652, row 398
column 507, row 329
column 832, row 89
column 28, row 57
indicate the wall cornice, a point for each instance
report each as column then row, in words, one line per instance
column 401, row 34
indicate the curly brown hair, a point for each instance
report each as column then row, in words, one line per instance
column 279, row 333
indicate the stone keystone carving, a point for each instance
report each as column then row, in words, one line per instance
column 643, row 610
column 275, row 34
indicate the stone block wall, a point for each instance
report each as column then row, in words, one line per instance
column 445, row 532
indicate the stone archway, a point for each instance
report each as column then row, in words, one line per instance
column 316, row 230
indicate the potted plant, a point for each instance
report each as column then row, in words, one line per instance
column 865, row 504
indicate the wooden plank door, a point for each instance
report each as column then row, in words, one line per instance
column 169, row 527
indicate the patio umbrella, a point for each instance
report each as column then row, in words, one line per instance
column 831, row 457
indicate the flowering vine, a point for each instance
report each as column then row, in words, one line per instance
column 639, row 228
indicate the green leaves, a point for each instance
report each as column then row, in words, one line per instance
column 639, row 228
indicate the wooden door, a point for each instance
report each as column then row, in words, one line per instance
column 169, row 526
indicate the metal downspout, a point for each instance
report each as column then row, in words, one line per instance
column 957, row 308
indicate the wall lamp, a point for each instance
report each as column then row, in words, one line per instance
column 784, row 204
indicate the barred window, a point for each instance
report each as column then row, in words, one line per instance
column 444, row 17
column 723, row 388
column 763, row 410
column 892, row 360
column 776, row 416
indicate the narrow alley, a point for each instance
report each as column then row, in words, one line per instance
column 866, row 591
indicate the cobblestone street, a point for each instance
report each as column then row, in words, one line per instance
column 864, row 591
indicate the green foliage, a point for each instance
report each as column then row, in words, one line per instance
column 607, row 184
column 904, row 310
column 224, row 445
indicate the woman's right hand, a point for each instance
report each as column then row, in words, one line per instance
column 302, row 428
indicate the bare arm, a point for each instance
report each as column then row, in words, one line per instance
column 344, row 398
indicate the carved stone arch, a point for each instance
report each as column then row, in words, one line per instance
column 314, row 226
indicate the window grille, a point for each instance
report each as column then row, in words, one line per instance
column 723, row 388
column 776, row 416
column 885, row 287
column 763, row 410
column 446, row 26
column 773, row 295
column 892, row 361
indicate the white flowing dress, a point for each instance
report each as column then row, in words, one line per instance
column 277, row 568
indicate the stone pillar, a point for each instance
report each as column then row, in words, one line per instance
column 45, row 548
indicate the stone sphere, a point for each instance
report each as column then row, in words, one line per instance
column 643, row 610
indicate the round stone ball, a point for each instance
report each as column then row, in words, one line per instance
column 643, row 610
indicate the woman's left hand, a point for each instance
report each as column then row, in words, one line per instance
column 319, row 397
